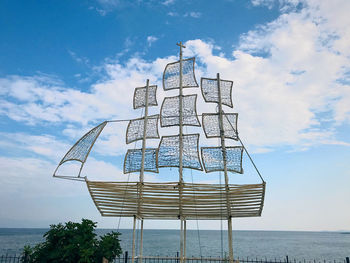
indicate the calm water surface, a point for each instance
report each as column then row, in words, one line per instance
column 252, row 244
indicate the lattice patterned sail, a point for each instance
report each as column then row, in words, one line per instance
column 169, row 114
column 171, row 76
column 168, row 153
column 135, row 129
column 140, row 97
column 80, row 150
column 211, row 125
column 213, row 159
column 211, row 94
column 133, row 158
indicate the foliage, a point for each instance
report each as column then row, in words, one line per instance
column 72, row 243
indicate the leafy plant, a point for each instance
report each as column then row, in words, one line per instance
column 72, row 243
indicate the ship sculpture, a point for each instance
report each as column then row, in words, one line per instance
column 178, row 200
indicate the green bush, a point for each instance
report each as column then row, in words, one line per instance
column 72, row 243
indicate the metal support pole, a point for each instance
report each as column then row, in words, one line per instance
column 133, row 241
column 181, row 241
column 144, row 134
column 141, row 241
column 126, row 257
column 184, row 241
column 142, row 171
column 180, row 155
column 224, row 157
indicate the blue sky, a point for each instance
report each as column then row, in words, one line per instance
column 65, row 66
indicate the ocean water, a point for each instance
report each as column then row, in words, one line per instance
column 320, row 246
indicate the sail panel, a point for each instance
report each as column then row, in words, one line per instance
column 213, row 159
column 133, row 158
column 211, row 94
column 169, row 152
column 211, row 125
column 140, row 97
column 80, row 150
column 134, row 132
column 169, row 113
column 171, row 75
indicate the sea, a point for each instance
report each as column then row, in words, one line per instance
column 262, row 245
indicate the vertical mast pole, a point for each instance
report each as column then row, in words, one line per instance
column 180, row 155
column 141, row 241
column 144, row 135
column 133, row 241
column 143, row 163
column 224, row 157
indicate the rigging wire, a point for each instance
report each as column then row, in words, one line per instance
column 195, row 209
column 245, row 149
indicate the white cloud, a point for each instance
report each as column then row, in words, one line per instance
column 193, row 14
column 289, row 78
column 172, row 14
column 45, row 145
column 151, row 40
column 168, row 2
column 284, row 5
column 78, row 59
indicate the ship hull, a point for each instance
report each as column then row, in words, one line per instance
column 162, row 200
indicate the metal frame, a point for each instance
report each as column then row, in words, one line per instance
column 148, row 103
column 156, row 116
column 103, row 124
column 194, row 115
column 225, row 115
column 205, row 99
column 193, row 59
column 221, row 170
column 198, row 156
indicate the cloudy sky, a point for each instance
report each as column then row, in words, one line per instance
column 66, row 66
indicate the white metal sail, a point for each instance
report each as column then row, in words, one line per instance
column 172, row 72
column 133, row 160
column 213, row 159
column 81, row 150
column 169, row 151
column 170, row 111
column 211, row 125
column 211, row 94
column 136, row 127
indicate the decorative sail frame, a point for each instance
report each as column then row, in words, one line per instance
column 135, row 129
column 172, row 73
column 211, row 94
column 169, row 155
column 211, row 125
column 133, row 160
column 213, row 160
column 81, row 150
column 169, row 113
column 139, row 100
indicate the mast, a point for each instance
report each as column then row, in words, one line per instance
column 143, row 164
column 144, row 159
column 180, row 119
column 144, row 136
column 180, row 150
column 224, row 157
column 182, row 235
